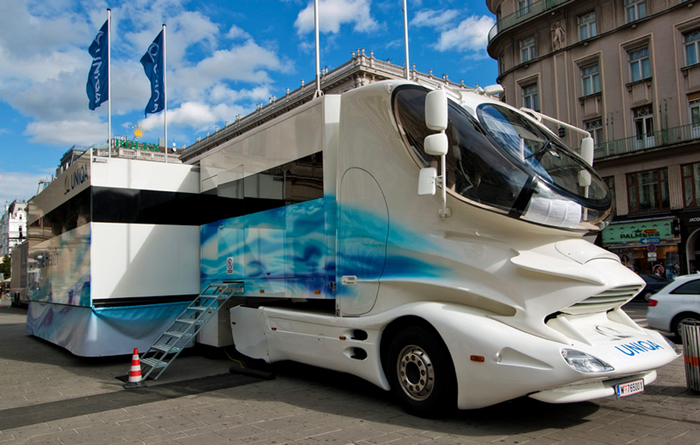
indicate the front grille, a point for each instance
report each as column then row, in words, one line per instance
column 603, row 301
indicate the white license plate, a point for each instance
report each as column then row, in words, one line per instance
column 629, row 388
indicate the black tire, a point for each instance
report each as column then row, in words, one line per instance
column 676, row 326
column 421, row 373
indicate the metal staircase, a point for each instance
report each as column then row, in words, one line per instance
column 186, row 326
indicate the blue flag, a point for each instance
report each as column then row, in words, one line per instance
column 153, row 63
column 96, row 87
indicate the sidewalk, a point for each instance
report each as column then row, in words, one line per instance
column 48, row 395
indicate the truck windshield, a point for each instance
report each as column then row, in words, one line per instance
column 501, row 160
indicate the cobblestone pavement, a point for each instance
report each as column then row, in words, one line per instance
column 48, row 396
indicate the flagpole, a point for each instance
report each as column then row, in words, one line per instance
column 109, row 82
column 405, row 37
column 318, row 56
column 165, row 102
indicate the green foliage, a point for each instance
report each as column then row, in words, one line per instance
column 5, row 267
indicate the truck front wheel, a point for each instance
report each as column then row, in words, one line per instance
column 421, row 373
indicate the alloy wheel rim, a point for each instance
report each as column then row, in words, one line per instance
column 415, row 372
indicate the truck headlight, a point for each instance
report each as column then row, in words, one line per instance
column 583, row 362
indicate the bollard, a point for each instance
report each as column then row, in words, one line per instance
column 690, row 333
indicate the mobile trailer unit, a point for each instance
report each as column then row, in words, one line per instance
column 478, row 294
column 115, row 248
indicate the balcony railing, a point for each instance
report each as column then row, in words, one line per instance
column 523, row 14
column 660, row 138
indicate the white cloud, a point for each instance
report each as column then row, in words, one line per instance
column 18, row 185
column 35, row 48
column 26, row 34
column 222, row 93
column 196, row 115
column 433, row 18
column 332, row 14
column 471, row 35
column 237, row 33
column 245, row 63
column 67, row 132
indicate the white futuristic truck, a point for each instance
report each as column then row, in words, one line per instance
column 431, row 242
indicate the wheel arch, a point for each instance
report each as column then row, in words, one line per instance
column 401, row 324
column 678, row 317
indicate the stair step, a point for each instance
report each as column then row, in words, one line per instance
column 189, row 320
column 178, row 334
column 154, row 362
column 166, row 348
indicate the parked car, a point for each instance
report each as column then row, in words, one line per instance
column 677, row 302
column 654, row 284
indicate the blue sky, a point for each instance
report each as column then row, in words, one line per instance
column 223, row 58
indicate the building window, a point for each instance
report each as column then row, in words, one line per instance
column 531, row 98
column 694, row 109
column 527, row 49
column 648, row 191
column 595, row 128
column 590, row 79
column 610, row 182
column 691, row 184
column 644, row 128
column 639, row 64
column 586, row 26
column 635, row 9
column 692, row 47
column 524, row 7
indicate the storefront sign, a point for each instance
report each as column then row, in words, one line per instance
column 134, row 145
column 690, row 218
column 643, row 232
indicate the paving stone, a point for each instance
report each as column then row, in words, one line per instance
column 304, row 405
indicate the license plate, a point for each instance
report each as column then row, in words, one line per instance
column 629, row 388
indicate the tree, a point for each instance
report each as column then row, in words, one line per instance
column 6, row 267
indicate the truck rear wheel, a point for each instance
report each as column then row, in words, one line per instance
column 421, row 373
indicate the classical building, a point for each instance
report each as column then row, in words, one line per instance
column 13, row 226
column 628, row 71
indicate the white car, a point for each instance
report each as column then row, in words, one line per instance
column 677, row 302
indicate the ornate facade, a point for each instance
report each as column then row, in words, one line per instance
column 628, row 71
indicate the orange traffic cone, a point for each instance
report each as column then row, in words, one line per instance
column 135, row 372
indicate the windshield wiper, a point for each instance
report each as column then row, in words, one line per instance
column 538, row 155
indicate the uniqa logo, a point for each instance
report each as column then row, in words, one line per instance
column 638, row 347
column 75, row 179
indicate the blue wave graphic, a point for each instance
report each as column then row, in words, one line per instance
column 291, row 251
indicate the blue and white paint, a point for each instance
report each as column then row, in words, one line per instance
column 291, row 251
column 59, row 269
column 280, row 252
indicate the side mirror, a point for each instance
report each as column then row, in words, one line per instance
column 436, row 110
column 436, row 144
column 493, row 90
column 426, row 181
column 584, row 178
column 587, row 150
